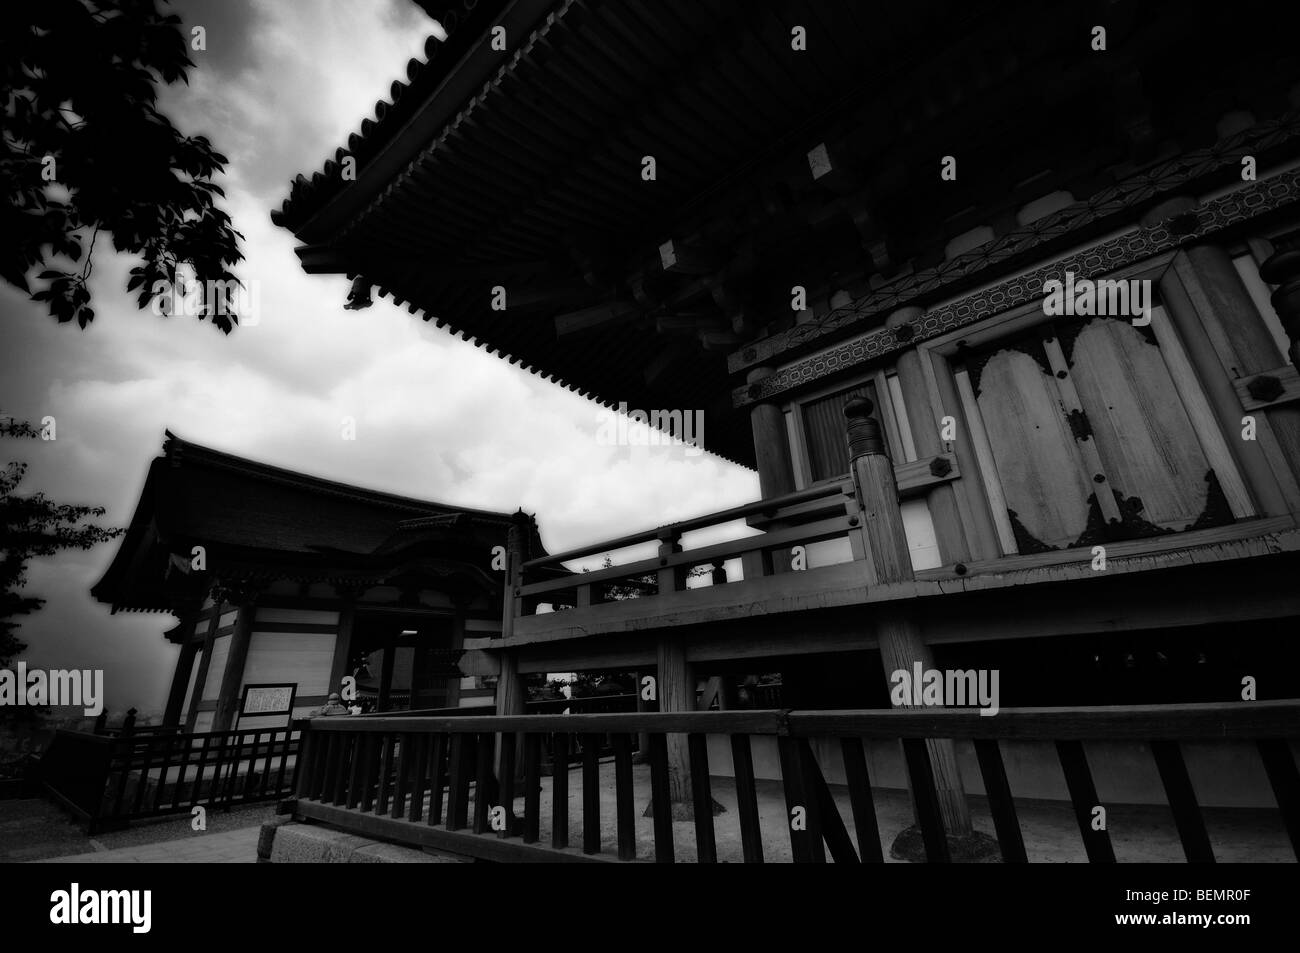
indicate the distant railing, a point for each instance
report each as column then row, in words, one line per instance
column 108, row 781
column 826, row 511
column 410, row 779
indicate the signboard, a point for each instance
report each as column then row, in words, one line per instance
column 262, row 700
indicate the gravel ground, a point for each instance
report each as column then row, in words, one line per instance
column 33, row 829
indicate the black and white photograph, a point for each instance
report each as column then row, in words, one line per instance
column 647, row 432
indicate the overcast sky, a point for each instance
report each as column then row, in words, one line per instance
column 279, row 88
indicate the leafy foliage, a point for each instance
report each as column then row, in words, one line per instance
column 31, row 526
column 84, row 150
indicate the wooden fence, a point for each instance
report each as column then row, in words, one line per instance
column 409, row 779
column 107, row 781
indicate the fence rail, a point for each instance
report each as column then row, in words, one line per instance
column 108, row 781
column 410, row 779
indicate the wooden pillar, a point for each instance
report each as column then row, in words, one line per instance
column 771, row 443
column 240, row 639
column 676, row 692
column 451, row 698
column 642, row 738
column 510, row 700
column 775, row 470
column 1218, row 291
column 343, row 645
column 181, row 679
column 897, row 633
column 200, row 680
column 924, row 422
column 386, row 671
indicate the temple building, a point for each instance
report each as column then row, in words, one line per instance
column 1034, row 251
column 282, row 579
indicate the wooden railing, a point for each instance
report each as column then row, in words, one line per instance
column 108, row 781
column 826, row 511
column 410, row 779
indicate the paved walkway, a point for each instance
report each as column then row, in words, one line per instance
column 225, row 847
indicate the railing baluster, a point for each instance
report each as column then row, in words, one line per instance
column 506, row 783
column 933, row 835
column 862, row 802
column 197, row 793
column 404, row 760
column 590, row 794
column 483, row 781
column 1182, row 801
column 356, row 777
column 369, row 749
column 165, row 742
column 624, row 809
column 144, row 775
column 1279, row 765
column 437, row 778
column 751, row 836
column 1083, row 795
column 348, row 751
column 419, row 779
column 833, row 832
column 462, row 749
column 532, row 787
column 706, row 848
column 266, row 763
column 805, row 843
column 1001, row 803
column 332, row 752
column 660, row 798
column 386, row 744
column 560, row 792
column 282, row 761
column 186, row 745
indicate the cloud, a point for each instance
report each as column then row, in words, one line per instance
column 280, row 87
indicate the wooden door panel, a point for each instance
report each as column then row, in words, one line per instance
column 1146, row 441
column 1033, row 449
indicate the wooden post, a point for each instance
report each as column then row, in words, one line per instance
column 343, row 643
column 676, row 692
column 510, row 700
column 775, row 469
column 200, row 680
column 228, row 697
column 642, row 738
column 924, row 422
column 1216, row 287
column 386, row 670
column 897, row 633
column 181, row 677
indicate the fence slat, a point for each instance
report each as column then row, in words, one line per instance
column 419, row 777
column 404, row 761
column 560, row 792
column 624, row 808
column 751, row 836
column 800, row 806
column 1279, row 765
column 507, row 783
column 861, row 801
column 834, row 833
column 917, row 754
column 660, row 799
column 706, row 847
column 437, row 779
column 591, row 794
column 483, row 782
column 1083, row 796
column 1182, row 801
column 1001, row 804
